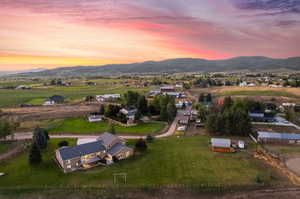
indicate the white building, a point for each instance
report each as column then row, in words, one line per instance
column 107, row 97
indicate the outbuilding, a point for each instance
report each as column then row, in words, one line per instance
column 278, row 138
column 221, row 145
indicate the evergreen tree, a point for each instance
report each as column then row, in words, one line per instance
column 35, row 156
column 290, row 115
column 111, row 128
column 208, row 98
column 101, row 109
column 6, row 128
column 138, row 116
column 201, row 98
column 40, row 138
column 131, row 98
column 172, row 111
column 141, row 145
column 142, row 105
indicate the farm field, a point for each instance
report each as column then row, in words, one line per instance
column 173, row 160
column 36, row 95
column 81, row 125
column 250, row 91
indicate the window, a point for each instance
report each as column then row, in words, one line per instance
column 69, row 166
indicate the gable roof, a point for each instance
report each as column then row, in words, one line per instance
column 56, row 98
column 117, row 148
column 107, row 139
column 67, row 153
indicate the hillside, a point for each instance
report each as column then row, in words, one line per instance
column 182, row 65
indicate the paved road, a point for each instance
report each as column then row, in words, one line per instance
column 170, row 132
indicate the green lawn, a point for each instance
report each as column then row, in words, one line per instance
column 261, row 93
column 184, row 160
column 81, row 125
column 11, row 97
column 5, row 147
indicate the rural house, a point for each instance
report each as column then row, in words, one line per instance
column 130, row 113
column 55, row 99
column 90, row 153
column 108, row 97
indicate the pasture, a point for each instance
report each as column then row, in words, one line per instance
column 78, row 90
column 173, row 160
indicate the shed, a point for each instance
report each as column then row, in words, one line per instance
column 220, row 143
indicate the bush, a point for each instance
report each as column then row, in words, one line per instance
column 141, row 145
column 264, row 178
column 63, row 143
column 149, row 138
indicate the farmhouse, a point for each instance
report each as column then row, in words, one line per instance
column 278, row 138
column 107, row 97
column 90, row 153
column 167, row 89
column 94, row 118
column 130, row 113
column 55, row 99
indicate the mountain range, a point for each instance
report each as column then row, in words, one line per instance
column 181, row 65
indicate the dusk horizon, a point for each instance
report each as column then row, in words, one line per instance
column 51, row 34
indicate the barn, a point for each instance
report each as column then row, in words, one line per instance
column 278, row 138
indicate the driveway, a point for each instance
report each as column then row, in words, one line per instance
column 170, row 132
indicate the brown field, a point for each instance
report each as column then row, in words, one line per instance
column 50, row 112
column 224, row 89
column 258, row 92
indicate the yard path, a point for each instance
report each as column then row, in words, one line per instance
column 170, row 132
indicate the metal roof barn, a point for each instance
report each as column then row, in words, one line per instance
column 220, row 142
column 286, row 136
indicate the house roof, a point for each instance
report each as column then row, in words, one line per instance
column 107, row 138
column 56, row 98
column 117, row 148
column 67, row 153
column 286, row 136
column 220, row 142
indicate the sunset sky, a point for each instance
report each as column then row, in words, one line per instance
column 54, row 33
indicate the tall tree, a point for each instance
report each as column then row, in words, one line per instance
column 142, row 104
column 208, row 98
column 290, row 115
column 131, row 98
column 101, row 109
column 6, row 128
column 111, row 128
column 172, row 111
column 35, row 156
column 40, row 137
column 201, row 98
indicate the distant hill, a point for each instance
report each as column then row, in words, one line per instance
column 18, row 72
column 182, row 65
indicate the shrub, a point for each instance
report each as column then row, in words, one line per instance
column 141, row 145
column 63, row 143
column 149, row 138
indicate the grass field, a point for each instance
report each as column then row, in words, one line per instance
column 5, row 147
column 81, row 125
column 11, row 97
column 185, row 160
